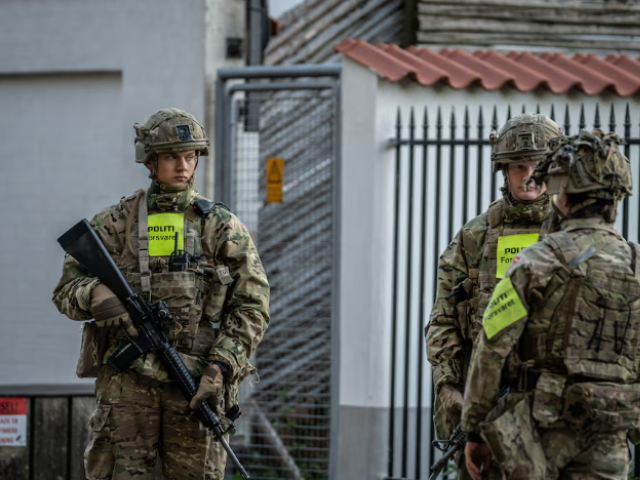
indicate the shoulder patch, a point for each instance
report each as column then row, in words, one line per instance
column 504, row 308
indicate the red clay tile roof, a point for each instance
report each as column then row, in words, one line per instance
column 492, row 70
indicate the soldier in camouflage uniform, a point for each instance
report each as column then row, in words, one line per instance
column 219, row 305
column 568, row 310
column 477, row 258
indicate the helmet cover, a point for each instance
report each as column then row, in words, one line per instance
column 169, row 130
column 523, row 138
column 589, row 163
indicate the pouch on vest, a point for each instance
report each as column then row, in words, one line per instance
column 217, row 294
column 92, row 350
column 608, row 407
column 507, row 436
column 462, row 297
column 604, row 330
column 548, row 399
column 179, row 291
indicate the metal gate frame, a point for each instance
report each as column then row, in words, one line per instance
column 288, row 78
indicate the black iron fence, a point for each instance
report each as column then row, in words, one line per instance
column 442, row 179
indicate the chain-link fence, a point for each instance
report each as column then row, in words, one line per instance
column 286, row 428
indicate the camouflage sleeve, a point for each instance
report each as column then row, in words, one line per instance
column 247, row 307
column 72, row 295
column 443, row 335
column 528, row 275
column 485, row 372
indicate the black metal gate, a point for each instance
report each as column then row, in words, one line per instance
column 442, row 180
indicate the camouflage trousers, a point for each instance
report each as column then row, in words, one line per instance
column 136, row 420
column 581, row 454
column 526, row 451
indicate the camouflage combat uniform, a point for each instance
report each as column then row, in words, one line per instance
column 468, row 268
column 569, row 310
column 466, row 279
column 219, row 316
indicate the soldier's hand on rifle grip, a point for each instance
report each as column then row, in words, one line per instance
column 109, row 311
column 477, row 458
column 211, row 387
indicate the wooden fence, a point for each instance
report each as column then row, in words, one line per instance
column 57, row 433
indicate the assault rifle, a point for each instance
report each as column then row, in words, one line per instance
column 455, row 443
column 82, row 243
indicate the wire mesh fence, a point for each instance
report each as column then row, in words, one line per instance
column 285, row 431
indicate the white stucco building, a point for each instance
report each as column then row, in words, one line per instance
column 74, row 78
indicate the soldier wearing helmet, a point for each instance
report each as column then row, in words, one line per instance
column 567, row 314
column 478, row 257
column 218, row 295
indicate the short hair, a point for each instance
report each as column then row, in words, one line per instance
column 604, row 208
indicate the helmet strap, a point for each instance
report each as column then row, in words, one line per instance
column 153, row 173
column 556, row 209
column 574, row 208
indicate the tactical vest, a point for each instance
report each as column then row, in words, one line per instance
column 588, row 326
column 484, row 277
column 195, row 297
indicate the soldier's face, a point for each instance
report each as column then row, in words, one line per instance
column 517, row 174
column 175, row 168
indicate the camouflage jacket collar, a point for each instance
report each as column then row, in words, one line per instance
column 526, row 212
column 571, row 224
column 159, row 200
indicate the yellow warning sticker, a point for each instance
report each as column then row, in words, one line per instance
column 275, row 179
column 509, row 247
column 504, row 308
column 163, row 228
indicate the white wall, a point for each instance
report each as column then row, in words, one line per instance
column 365, row 238
column 48, row 182
column 74, row 78
column 278, row 7
column 224, row 19
column 365, row 242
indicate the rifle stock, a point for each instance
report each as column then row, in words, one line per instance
column 82, row 243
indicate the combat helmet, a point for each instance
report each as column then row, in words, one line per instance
column 169, row 130
column 589, row 163
column 523, row 138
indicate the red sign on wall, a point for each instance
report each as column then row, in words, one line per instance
column 13, row 422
